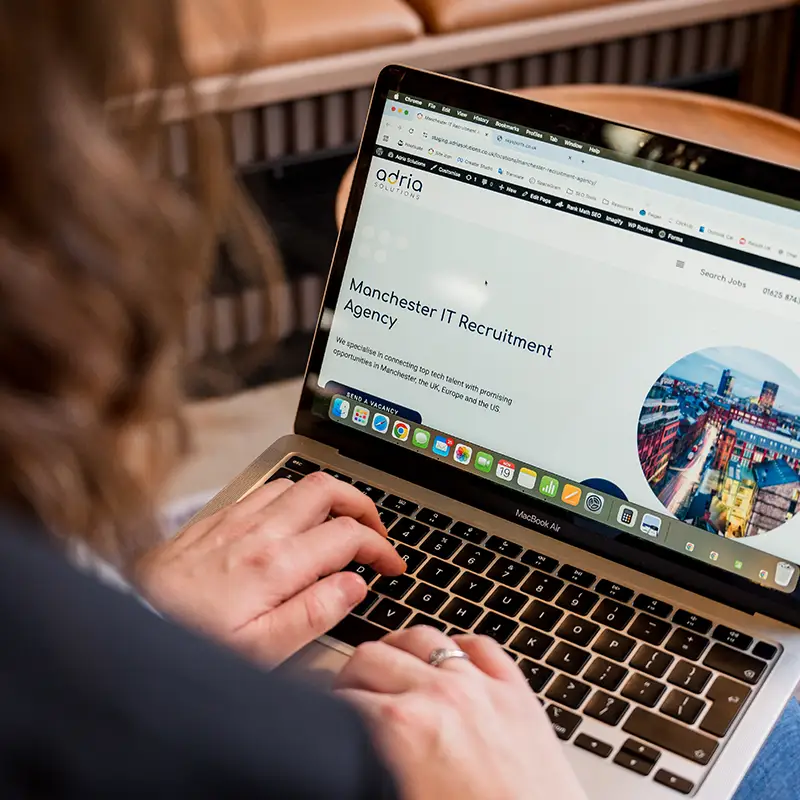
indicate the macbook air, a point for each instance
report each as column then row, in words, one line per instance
column 562, row 356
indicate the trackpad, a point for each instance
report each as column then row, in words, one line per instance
column 316, row 663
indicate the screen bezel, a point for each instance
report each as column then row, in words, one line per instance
column 624, row 549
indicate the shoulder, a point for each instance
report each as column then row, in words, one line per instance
column 89, row 667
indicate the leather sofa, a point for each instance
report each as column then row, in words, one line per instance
column 305, row 67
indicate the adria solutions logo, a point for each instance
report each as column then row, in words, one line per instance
column 398, row 182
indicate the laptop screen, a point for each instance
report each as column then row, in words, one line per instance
column 610, row 337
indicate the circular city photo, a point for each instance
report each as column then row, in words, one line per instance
column 719, row 441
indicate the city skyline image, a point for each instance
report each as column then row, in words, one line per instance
column 718, row 438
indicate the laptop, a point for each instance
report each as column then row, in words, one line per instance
column 561, row 356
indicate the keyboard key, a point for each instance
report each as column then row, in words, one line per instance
column 472, row 587
column 537, row 675
column 727, row 700
column 741, row 641
column 649, row 629
column 568, row 658
column 613, row 590
column 576, row 575
column 373, row 492
column 567, row 691
column 367, row 573
column 652, row 606
column 675, row 782
column 651, row 661
column 409, row 531
column 427, row 599
column 683, row 707
column 469, row 532
column 423, row 619
column 389, row 614
column 640, row 750
column 394, row 587
column 577, row 630
column 614, row 645
column 737, row 665
column 355, row 631
column 541, row 615
column 532, row 643
column 508, row 572
column 672, row 736
column 633, row 763
column 687, row 644
column 694, row 623
column 301, row 465
column 456, row 632
column 592, row 745
column 474, row 558
column 461, row 612
column 284, row 473
column 612, row 614
column 504, row 547
column 579, row 601
column 606, row 708
column 605, row 674
column 643, row 690
column 765, row 651
column 689, row 676
column 438, row 572
column 395, row 503
column 499, row 628
column 413, row 558
column 434, row 518
column 340, row 476
column 441, row 544
column 366, row 604
column 539, row 561
column 564, row 722
column 506, row 601
column 545, row 587
column 387, row 517
column 512, row 656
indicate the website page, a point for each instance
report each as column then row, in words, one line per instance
column 586, row 337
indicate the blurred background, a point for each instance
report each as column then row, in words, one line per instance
column 294, row 112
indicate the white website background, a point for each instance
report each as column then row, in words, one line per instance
column 611, row 306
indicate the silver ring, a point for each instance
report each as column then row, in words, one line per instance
column 439, row 656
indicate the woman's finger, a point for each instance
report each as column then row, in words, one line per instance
column 299, row 561
column 315, row 498
column 421, row 641
column 379, row 667
column 261, row 497
column 220, row 522
column 283, row 631
column 490, row 658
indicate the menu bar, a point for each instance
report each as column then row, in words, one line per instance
column 582, row 147
column 638, row 226
column 553, row 489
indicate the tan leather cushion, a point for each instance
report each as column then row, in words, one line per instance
column 224, row 36
column 442, row 16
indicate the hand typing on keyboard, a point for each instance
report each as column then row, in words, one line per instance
column 264, row 575
column 470, row 730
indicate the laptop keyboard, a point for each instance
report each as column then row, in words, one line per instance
column 588, row 647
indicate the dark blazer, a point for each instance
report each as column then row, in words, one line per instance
column 99, row 697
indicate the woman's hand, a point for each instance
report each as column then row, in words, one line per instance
column 471, row 730
column 263, row 575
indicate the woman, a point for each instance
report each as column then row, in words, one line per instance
column 99, row 261
column 99, row 695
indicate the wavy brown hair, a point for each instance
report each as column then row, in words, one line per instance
column 100, row 259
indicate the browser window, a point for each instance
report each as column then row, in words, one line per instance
column 623, row 349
